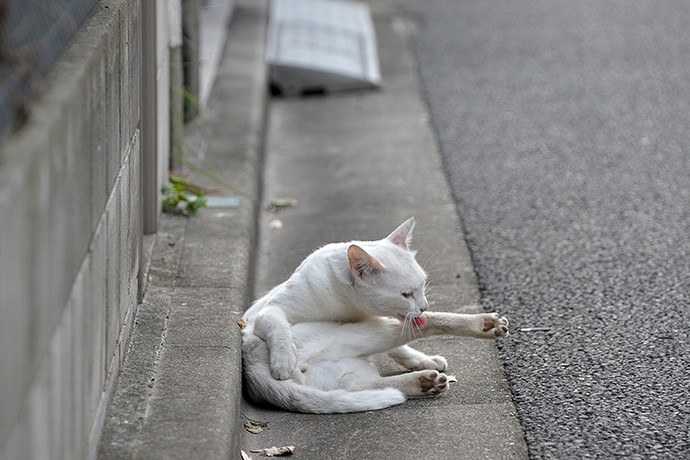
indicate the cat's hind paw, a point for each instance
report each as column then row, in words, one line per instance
column 495, row 325
column 433, row 383
column 420, row 384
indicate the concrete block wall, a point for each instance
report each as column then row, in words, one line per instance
column 69, row 239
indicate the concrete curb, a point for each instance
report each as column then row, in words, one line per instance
column 179, row 390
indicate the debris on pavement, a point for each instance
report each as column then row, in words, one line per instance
column 255, row 426
column 275, row 451
column 276, row 224
column 182, row 197
column 534, row 329
column 222, row 201
column 241, row 323
column 278, row 204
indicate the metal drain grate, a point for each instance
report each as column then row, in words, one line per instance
column 321, row 45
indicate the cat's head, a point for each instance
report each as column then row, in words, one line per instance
column 387, row 276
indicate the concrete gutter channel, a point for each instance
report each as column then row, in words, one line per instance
column 371, row 161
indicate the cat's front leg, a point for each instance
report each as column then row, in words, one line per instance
column 272, row 325
column 480, row 325
column 416, row 360
column 283, row 355
column 494, row 325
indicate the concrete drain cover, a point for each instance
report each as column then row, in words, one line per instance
column 321, row 45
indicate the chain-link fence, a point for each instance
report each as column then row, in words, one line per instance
column 33, row 35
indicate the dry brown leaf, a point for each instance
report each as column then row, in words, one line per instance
column 278, row 204
column 254, row 426
column 275, row 451
column 241, row 323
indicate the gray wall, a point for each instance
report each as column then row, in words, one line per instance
column 69, row 239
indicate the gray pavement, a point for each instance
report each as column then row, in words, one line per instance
column 563, row 126
column 359, row 164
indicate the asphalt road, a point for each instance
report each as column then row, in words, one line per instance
column 564, row 128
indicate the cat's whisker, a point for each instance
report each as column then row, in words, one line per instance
column 407, row 332
column 430, row 288
column 416, row 328
column 403, row 336
column 435, row 295
column 430, row 261
column 414, row 331
column 410, row 330
column 403, row 331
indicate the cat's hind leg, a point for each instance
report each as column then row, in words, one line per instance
column 418, row 384
column 415, row 360
column 360, row 375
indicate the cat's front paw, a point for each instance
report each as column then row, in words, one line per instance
column 283, row 362
column 495, row 325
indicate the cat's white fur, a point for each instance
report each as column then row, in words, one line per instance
column 306, row 343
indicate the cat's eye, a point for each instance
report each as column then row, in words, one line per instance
column 407, row 295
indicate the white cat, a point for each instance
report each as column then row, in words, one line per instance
column 306, row 343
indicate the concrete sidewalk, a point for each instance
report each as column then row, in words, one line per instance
column 179, row 390
column 359, row 164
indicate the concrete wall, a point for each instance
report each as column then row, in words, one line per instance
column 69, row 238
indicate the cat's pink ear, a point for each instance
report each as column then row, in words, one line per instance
column 361, row 262
column 402, row 236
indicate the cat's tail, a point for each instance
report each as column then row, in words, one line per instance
column 341, row 401
column 296, row 397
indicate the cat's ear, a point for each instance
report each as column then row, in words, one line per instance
column 361, row 262
column 402, row 236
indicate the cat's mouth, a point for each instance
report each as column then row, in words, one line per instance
column 417, row 320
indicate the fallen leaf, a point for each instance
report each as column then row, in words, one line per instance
column 275, row 451
column 277, row 204
column 254, row 426
column 241, row 323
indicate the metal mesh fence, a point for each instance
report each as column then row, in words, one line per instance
column 33, row 35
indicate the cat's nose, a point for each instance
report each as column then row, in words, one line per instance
column 423, row 305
